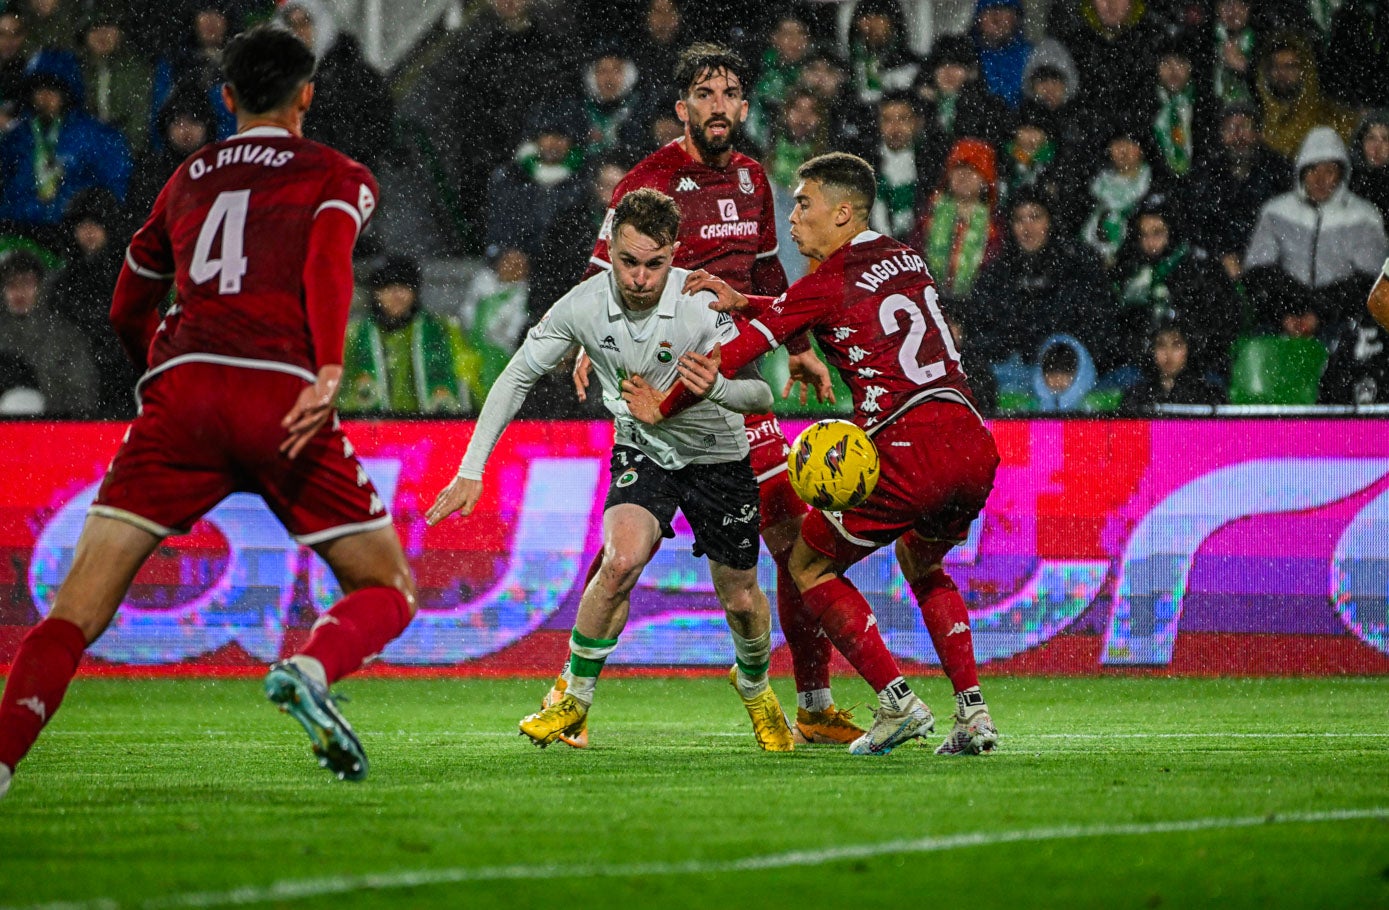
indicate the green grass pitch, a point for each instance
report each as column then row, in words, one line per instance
column 1117, row 792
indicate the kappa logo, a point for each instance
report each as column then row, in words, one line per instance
column 728, row 210
column 34, row 704
column 959, row 628
column 366, row 202
column 686, row 185
column 609, row 344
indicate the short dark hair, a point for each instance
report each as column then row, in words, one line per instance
column 703, row 59
column 20, row 262
column 1060, row 358
column 649, row 212
column 265, row 66
column 846, row 173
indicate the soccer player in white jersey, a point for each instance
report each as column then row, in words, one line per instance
column 635, row 321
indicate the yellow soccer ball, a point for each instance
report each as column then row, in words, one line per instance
column 833, row 465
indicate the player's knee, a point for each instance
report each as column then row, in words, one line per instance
column 620, row 571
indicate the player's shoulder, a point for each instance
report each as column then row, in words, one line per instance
column 657, row 169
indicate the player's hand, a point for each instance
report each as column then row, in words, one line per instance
column 698, row 371
column 809, row 372
column 581, row 367
column 728, row 299
column 643, row 400
column 310, row 411
column 460, row 496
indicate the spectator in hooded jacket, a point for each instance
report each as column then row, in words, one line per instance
column 1320, row 235
column 118, row 80
column 53, row 347
column 53, row 152
column 80, row 292
column 1291, row 96
column 1369, row 161
column 185, row 124
column 542, row 180
column 1226, row 191
column 352, row 109
column 1040, row 284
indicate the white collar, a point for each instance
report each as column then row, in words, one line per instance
column 261, row 132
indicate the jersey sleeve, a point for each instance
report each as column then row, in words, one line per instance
column 352, row 190
column 550, row 339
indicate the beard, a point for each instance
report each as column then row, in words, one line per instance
column 712, row 148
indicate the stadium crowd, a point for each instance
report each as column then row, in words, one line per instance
column 1130, row 204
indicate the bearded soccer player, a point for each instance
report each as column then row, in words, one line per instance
column 256, row 236
column 637, row 321
column 872, row 307
column 728, row 227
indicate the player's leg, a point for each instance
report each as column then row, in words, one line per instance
column 109, row 553
column 722, row 503
column 818, row 562
column 630, row 532
column 378, row 603
column 818, row 719
column 947, row 620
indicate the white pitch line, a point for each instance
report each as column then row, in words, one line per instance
column 300, row 889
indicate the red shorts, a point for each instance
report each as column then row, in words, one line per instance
column 767, row 450
column 206, row 431
column 937, row 465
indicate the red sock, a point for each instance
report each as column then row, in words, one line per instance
column 810, row 650
column 947, row 619
column 39, row 678
column 357, row 627
column 851, row 626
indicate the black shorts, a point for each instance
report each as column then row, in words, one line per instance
column 720, row 501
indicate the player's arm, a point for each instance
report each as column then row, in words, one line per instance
column 1379, row 298
column 545, row 346
column 746, row 393
column 327, row 281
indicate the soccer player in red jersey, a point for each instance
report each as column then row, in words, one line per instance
column 728, row 227
column 872, row 307
column 256, row 236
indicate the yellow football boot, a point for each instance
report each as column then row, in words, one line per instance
column 563, row 718
column 578, row 740
column 768, row 723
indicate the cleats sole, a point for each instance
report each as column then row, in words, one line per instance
column 330, row 735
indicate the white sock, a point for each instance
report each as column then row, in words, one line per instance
column 753, row 655
column 815, row 700
column 582, row 688
column 6, row 775
column 311, row 667
column 897, row 696
column 970, row 702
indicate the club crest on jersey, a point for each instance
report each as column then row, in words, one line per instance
column 728, row 210
column 665, row 355
column 745, row 181
column 626, row 480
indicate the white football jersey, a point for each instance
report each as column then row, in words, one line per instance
column 592, row 315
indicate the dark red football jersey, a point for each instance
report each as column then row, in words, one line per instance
column 231, row 228
column 872, row 307
column 727, row 221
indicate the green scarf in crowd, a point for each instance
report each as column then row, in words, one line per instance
column 48, row 170
column 1172, row 128
column 1025, row 171
column 1230, row 85
column 1115, row 198
column 956, row 244
column 433, row 386
column 786, row 157
column 1147, row 287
